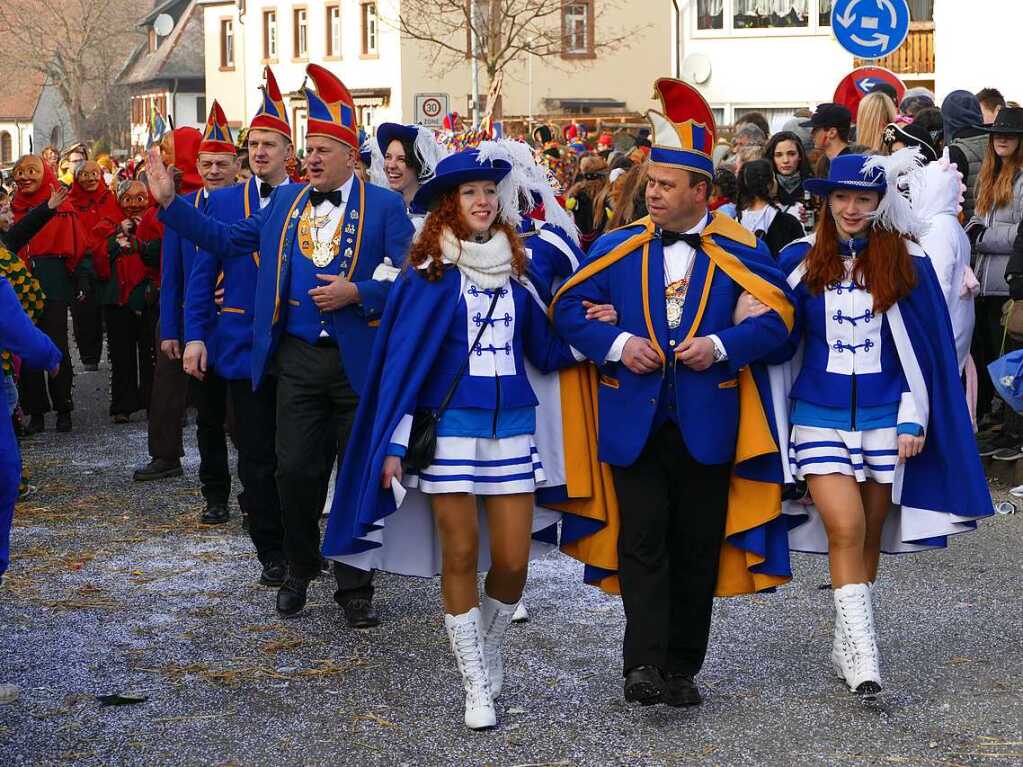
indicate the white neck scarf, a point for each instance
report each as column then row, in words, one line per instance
column 488, row 264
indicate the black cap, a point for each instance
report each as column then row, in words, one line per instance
column 887, row 89
column 829, row 116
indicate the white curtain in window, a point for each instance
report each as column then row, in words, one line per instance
column 825, row 6
column 771, row 7
column 710, row 7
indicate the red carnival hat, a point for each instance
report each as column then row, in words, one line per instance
column 684, row 133
column 216, row 139
column 272, row 115
column 331, row 108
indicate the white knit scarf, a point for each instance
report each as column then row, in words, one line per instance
column 488, row 264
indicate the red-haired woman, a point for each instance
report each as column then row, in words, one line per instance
column 877, row 412
column 460, row 324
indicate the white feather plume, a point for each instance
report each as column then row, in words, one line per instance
column 526, row 178
column 377, row 177
column 429, row 151
column 895, row 212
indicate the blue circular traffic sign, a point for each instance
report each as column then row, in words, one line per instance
column 870, row 29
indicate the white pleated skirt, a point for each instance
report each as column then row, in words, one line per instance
column 480, row 466
column 871, row 454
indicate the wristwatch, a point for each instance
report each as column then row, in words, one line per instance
column 719, row 356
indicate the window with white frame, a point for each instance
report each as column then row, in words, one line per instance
column 576, row 21
column 369, row 29
column 301, row 19
column 226, row 44
column 334, row 30
column 270, row 35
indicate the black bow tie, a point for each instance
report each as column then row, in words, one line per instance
column 670, row 238
column 265, row 189
column 335, row 198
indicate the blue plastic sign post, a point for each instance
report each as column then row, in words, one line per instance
column 870, row 29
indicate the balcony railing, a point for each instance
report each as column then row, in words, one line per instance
column 914, row 57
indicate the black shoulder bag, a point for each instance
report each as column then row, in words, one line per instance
column 422, row 444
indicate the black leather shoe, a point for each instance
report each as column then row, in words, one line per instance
column 215, row 513
column 681, row 691
column 360, row 613
column 122, row 418
column 292, row 596
column 64, row 422
column 273, row 574
column 644, row 685
column 36, row 424
column 158, row 468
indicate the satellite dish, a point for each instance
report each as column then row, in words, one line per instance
column 163, row 25
column 696, row 68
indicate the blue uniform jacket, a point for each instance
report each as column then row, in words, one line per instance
column 553, row 257
column 227, row 333
column 533, row 339
column 177, row 257
column 707, row 402
column 19, row 336
column 272, row 231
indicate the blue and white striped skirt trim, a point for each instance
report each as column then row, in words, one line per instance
column 482, row 466
column 871, row 454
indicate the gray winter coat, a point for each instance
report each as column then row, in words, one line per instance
column 993, row 248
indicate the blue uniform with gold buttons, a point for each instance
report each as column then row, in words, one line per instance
column 378, row 229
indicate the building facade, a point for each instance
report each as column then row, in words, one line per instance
column 167, row 71
column 360, row 41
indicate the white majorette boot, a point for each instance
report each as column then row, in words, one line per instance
column 495, row 617
column 521, row 613
column 860, row 661
column 838, row 644
column 467, row 645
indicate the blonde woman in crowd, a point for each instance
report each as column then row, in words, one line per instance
column 875, row 112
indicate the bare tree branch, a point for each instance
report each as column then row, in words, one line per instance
column 506, row 31
column 77, row 47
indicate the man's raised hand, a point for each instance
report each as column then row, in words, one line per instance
column 161, row 183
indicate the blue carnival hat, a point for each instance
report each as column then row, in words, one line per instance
column 847, row 172
column 456, row 169
column 388, row 132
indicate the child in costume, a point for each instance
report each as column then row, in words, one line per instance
column 877, row 413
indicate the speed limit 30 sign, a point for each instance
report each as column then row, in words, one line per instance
column 430, row 109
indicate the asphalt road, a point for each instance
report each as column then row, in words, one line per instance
column 116, row 589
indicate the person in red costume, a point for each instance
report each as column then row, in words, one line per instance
column 130, row 258
column 92, row 201
column 53, row 255
column 179, row 150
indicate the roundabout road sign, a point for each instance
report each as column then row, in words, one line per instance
column 870, row 29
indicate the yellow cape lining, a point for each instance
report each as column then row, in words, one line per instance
column 591, row 483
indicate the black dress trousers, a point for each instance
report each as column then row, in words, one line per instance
column 130, row 351
column 256, row 418
column 210, row 399
column 87, row 322
column 315, row 411
column 672, row 526
column 41, row 392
